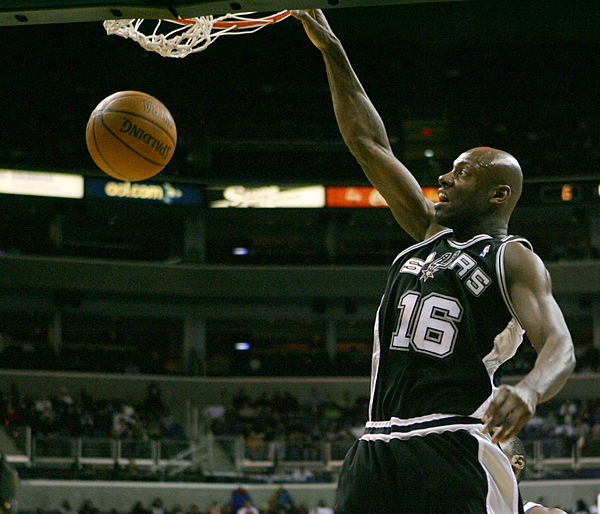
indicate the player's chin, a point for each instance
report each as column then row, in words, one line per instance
column 441, row 212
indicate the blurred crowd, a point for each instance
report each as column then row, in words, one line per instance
column 298, row 426
column 239, row 502
column 82, row 415
column 563, row 426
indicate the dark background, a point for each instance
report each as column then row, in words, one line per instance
column 519, row 75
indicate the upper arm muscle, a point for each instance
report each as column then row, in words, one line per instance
column 530, row 290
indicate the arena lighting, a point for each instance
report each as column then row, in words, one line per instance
column 41, row 183
column 240, row 250
column 242, row 345
column 366, row 196
column 429, row 153
column 566, row 193
column 273, row 196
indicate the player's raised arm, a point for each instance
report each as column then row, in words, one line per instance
column 530, row 290
column 365, row 135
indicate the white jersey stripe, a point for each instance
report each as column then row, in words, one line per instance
column 473, row 240
column 500, row 272
column 503, row 492
column 530, row 505
column 422, row 243
column 420, row 432
column 398, row 422
column 375, row 360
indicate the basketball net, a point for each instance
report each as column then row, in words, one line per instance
column 181, row 37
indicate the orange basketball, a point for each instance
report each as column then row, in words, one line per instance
column 131, row 135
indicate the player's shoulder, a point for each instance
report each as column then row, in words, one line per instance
column 519, row 257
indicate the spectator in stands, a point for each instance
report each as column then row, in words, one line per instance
column 44, row 415
column 124, row 421
column 302, row 474
column 157, row 507
column 215, row 508
column 281, row 501
column 138, row 508
column 65, row 508
column 314, row 403
column 247, row 508
column 580, row 508
column 88, row 507
column 255, row 445
column 321, row 508
column 240, row 399
column 239, row 497
column 153, row 403
column 215, row 410
column 302, row 509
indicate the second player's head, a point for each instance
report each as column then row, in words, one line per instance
column 514, row 449
column 482, row 188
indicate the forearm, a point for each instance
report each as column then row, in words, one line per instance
column 359, row 122
column 553, row 366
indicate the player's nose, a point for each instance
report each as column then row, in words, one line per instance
column 445, row 179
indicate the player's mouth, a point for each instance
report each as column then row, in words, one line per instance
column 443, row 196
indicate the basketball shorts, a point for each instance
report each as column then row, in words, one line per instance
column 426, row 465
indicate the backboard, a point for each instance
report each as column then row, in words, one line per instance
column 34, row 12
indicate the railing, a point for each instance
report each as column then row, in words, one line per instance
column 58, row 451
column 232, row 455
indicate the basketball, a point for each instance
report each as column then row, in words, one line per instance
column 131, row 135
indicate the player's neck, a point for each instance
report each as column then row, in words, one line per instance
column 491, row 227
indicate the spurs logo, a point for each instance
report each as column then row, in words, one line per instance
column 443, row 262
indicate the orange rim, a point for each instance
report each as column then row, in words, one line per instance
column 242, row 24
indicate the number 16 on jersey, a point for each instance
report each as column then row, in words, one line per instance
column 429, row 323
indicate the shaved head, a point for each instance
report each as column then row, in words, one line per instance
column 502, row 168
column 480, row 193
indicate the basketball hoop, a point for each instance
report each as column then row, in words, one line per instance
column 181, row 37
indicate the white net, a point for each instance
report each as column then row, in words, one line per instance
column 178, row 38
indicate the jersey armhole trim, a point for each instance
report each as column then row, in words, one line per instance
column 422, row 243
column 501, row 273
column 530, row 505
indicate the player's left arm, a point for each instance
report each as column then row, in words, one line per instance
column 530, row 290
column 546, row 510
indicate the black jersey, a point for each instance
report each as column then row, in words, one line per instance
column 444, row 326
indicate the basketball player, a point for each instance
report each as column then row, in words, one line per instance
column 454, row 309
column 513, row 448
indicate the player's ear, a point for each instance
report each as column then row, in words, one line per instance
column 517, row 461
column 500, row 194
